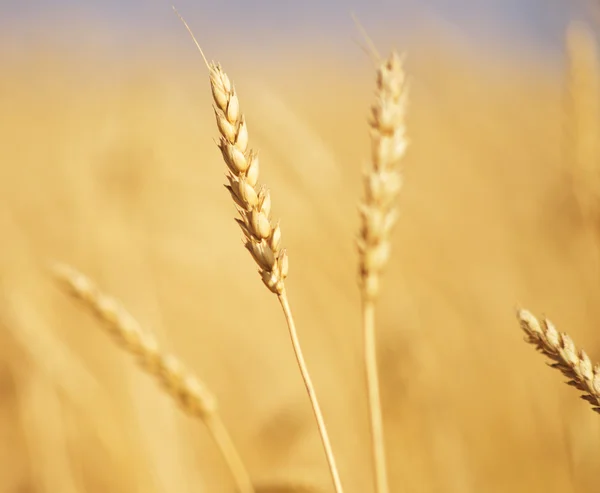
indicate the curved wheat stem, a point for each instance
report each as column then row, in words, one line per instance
column 191, row 394
column 378, row 215
column 311, row 392
column 573, row 363
column 262, row 238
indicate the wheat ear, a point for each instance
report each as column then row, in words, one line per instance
column 378, row 214
column 573, row 363
column 191, row 394
column 261, row 238
column 583, row 121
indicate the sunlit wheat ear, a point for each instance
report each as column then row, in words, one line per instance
column 573, row 363
column 261, row 237
column 191, row 394
column 383, row 179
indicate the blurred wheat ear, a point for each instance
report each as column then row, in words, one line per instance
column 583, row 122
column 261, row 237
column 573, row 363
column 191, row 394
column 378, row 213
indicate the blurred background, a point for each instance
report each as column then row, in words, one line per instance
column 120, row 26
column 107, row 162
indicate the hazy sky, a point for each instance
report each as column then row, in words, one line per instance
column 539, row 23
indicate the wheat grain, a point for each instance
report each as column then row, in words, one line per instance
column 378, row 215
column 573, row 363
column 191, row 394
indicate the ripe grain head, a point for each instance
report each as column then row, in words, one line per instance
column 383, row 180
column 193, row 396
column 262, row 238
column 559, row 347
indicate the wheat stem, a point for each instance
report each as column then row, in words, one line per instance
column 372, row 377
column 311, row 391
column 191, row 394
column 222, row 438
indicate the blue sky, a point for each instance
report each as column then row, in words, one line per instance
column 534, row 23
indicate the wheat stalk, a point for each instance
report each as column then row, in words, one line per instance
column 378, row 214
column 261, row 237
column 191, row 394
column 573, row 363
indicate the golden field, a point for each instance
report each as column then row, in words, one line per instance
column 118, row 175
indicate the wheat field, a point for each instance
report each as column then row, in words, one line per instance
column 109, row 165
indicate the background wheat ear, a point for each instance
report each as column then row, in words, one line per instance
column 573, row 363
column 583, row 122
column 262, row 238
column 190, row 393
column 378, row 214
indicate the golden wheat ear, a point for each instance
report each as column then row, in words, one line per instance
column 191, row 394
column 378, row 214
column 558, row 346
column 262, row 237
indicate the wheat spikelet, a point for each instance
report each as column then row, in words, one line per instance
column 378, row 214
column 573, row 363
column 191, row 394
